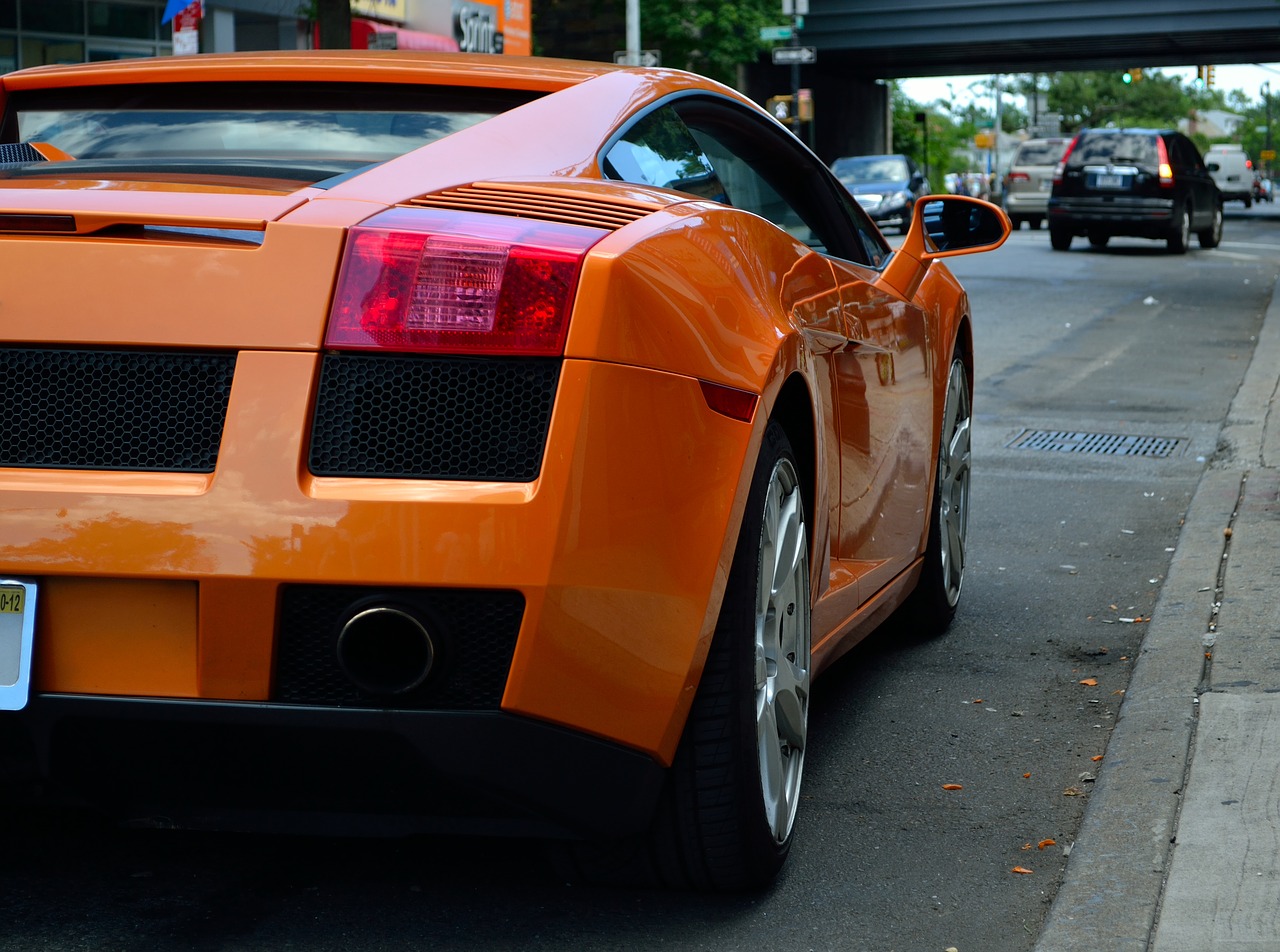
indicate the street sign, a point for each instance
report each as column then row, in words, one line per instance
column 789, row 55
column 1268, row 155
column 768, row 33
column 638, row 58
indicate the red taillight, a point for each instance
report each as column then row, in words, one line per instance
column 1019, row 177
column 1162, row 157
column 1061, row 167
column 456, row 282
column 1248, row 163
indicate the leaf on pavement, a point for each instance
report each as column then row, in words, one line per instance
column 1090, row 682
column 1021, row 871
column 952, row 786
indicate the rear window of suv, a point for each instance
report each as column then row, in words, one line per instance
column 1115, row 148
column 1040, row 153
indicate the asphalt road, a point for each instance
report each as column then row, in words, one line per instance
column 1068, row 552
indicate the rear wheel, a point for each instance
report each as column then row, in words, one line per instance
column 1035, row 221
column 1211, row 237
column 1180, row 237
column 1098, row 240
column 1059, row 238
column 727, row 814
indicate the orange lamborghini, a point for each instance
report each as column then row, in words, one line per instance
column 443, row 442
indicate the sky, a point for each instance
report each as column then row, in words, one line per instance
column 1246, row 77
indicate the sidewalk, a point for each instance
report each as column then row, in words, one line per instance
column 1180, row 846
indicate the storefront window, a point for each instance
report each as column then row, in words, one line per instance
column 42, row 51
column 123, row 20
column 53, row 16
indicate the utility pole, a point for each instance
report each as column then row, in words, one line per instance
column 334, row 19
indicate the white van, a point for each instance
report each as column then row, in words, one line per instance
column 1233, row 172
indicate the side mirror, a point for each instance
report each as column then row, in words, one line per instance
column 1214, row 167
column 943, row 226
column 916, row 181
column 954, row 224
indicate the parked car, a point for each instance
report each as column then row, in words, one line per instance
column 357, row 464
column 886, row 186
column 1232, row 171
column 1027, row 183
column 1142, row 183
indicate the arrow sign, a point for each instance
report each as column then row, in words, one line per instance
column 638, row 58
column 786, row 55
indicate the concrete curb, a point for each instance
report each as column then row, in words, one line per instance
column 1112, row 894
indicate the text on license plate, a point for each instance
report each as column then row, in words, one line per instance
column 12, row 600
column 1105, row 180
column 17, row 626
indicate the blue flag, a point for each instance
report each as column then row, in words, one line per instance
column 172, row 8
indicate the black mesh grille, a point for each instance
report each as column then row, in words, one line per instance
column 432, row 417
column 474, row 633
column 16, row 152
column 93, row 409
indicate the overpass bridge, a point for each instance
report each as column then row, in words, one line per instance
column 858, row 42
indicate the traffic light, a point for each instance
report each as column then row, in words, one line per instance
column 1208, row 75
column 780, row 108
column 1132, row 76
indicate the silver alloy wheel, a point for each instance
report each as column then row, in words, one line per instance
column 782, row 645
column 953, row 481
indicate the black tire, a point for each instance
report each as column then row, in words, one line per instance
column 931, row 607
column 1060, row 239
column 722, row 824
column 1015, row 222
column 1180, row 238
column 1099, row 240
column 1211, row 237
column 1035, row 221
column 1248, row 201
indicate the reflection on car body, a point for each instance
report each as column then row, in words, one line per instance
column 399, row 476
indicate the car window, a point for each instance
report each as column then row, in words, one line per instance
column 299, row 130
column 1118, row 148
column 1039, row 153
column 718, row 150
column 660, row 150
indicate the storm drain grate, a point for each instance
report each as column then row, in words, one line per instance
column 1106, row 444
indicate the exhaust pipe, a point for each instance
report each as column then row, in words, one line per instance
column 385, row 651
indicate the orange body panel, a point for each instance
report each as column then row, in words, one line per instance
column 157, row 584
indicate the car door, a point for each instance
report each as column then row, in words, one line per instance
column 882, row 391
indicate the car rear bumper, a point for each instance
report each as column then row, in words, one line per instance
column 1026, row 203
column 183, row 585
column 1137, row 217
column 222, row 765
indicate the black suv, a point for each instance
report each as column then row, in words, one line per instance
column 1142, row 183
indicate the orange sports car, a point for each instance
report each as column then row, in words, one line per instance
column 443, row 442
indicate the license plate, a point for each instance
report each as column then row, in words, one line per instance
column 1046, row 184
column 17, row 630
column 1106, row 180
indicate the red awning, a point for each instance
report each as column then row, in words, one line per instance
column 362, row 32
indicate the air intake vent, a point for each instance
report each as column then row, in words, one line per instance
column 100, row 409
column 544, row 203
column 19, row 153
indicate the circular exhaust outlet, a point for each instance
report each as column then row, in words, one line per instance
column 385, row 651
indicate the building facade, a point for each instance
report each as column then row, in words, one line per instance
column 40, row 32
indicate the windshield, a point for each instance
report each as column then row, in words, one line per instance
column 288, row 132
column 872, row 168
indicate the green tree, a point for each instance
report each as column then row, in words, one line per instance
column 946, row 135
column 711, row 37
column 1102, row 98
